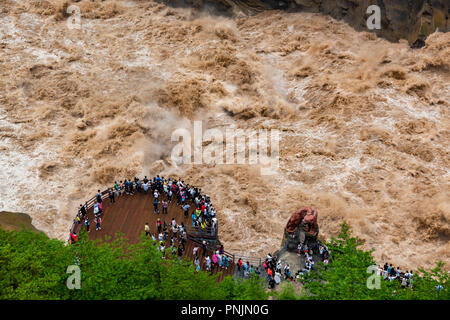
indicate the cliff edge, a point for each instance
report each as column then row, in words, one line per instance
column 412, row 20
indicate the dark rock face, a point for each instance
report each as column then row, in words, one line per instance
column 400, row 19
column 291, row 240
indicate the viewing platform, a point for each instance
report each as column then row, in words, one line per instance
column 129, row 214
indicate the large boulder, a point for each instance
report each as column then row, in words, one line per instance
column 304, row 219
column 400, row 19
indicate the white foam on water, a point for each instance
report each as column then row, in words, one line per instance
column 411, row 106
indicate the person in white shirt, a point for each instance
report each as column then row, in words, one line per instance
column 278, row 268
column 219, row 259
column 96, row 209
column 404, row 282
column 406, row 275
column 277, row 277
column 208, row 263
column 195, row 251
column 379, row 270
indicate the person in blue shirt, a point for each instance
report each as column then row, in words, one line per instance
column 126, row 186
column 87, row 223
column 245, row 266
column 186, row 209
column 130, row 186
column 226, row 262
column 99, row 196
column 155, row 205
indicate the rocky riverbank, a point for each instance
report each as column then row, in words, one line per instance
column 16, row 221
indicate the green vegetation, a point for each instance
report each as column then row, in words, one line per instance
column 32, row 266
column 346, row 277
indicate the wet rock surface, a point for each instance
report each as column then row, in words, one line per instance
column 400, row 19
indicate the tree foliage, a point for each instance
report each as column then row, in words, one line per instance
column 347, row 274
column 33, row 266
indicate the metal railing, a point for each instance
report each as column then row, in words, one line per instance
column 213, row 247
column 233, row 257
column 195, row 234
column 208, row 233
column 255, row 261
column 88, row 205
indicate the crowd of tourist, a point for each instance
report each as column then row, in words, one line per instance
column 216, row 262
column 245, row 268
column 276, row 272
column 172, row 237
column 169, row 237
column 390, row 273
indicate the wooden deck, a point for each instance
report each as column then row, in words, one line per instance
column 129, row 214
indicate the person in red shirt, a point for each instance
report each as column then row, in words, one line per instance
column 73, row 237
column 98, row 223
column 158, row 225
column 269, row 273
column 239, row 264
